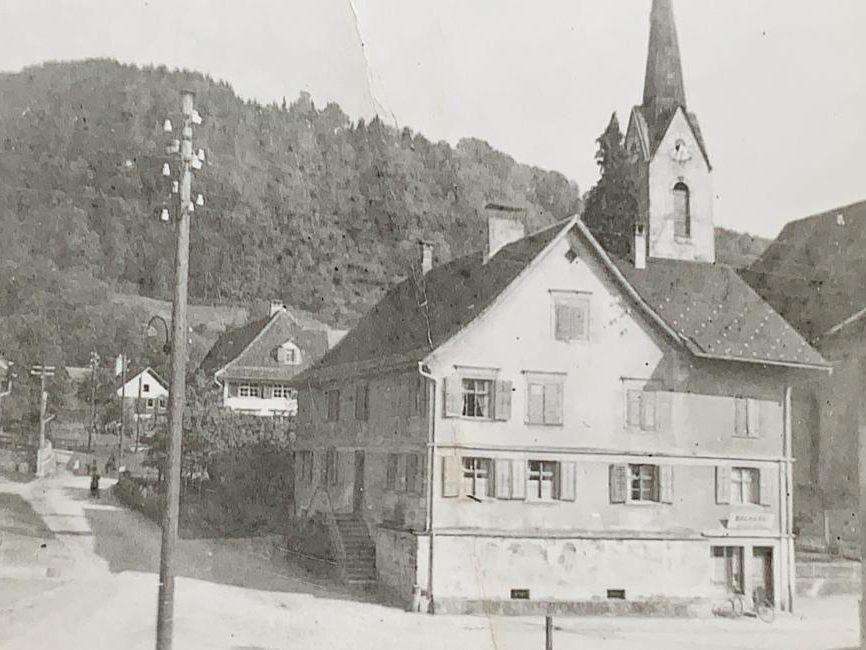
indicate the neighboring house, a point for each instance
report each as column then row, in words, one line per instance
column 145, row 396
column 814, row 274
column 544, row 425
column 254, row 363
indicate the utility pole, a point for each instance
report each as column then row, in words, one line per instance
column 861, row 430
column 177, row 387
column 122, row 411
column 43, row 372
column 94, row 362
column 138, row 413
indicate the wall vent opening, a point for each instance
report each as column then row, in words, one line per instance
column 616, row 594
column 520, row 594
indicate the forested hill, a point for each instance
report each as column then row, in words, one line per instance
column 302, row 204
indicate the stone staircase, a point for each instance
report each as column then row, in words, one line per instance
column 359, row 566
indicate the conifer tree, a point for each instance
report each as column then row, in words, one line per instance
column 611, row 206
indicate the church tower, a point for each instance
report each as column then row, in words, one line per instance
column 672, row 169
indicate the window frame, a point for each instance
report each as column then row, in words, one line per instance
column 682, row 223
column 571, row 299
column 281, row 391
column 541, row 472
column 488, row 394
column 474, row 469
column 654, row 487
column 251, row 389
column 738, row 484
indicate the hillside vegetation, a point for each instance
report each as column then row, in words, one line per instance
column 302, row 203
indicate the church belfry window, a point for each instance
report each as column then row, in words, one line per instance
column 682, row 210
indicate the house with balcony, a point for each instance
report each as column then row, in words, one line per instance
column 254, row 363
column 544, row 424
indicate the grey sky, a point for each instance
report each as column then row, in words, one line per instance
column 777, row 84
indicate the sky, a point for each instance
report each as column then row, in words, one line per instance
column 777, row 85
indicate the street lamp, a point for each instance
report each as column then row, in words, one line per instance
column 166, row 347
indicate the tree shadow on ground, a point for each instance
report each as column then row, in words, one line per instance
column 17, row 517
column 129, row 541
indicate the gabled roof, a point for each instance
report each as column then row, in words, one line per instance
column 653, row 124
column 814, row 273
column 132, row 372
column 247, row 352
column 708, row 309
column 416, row 317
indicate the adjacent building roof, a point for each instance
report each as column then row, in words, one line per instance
column 706, row 308
column 814, row 273
column 247, row 352
column 133, row 372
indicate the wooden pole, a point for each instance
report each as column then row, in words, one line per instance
column 861, row 430
column 177, row 388
column 548, row 632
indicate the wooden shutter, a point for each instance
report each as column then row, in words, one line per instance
column 451, row 476
column 633, row 407
column 535, row 403
column 723, row 484
column 767, row 481
column 754, row 410
column 580, row 327
column 402, row 483
column 518, row 479
column 567, row 481
column 562, row 322
column 618, row 480
column 453, row 396
column 666, row 484
column 664, row 410
column 233, row 389
column 502, row 482
column 502, row 406
column 741, row 416
column 553, row 403
column 267, row 391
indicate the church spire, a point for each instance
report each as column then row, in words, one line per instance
column 663, row 87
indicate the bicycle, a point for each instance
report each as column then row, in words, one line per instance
column 735, row 607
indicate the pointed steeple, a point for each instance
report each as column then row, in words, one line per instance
column 663, row 87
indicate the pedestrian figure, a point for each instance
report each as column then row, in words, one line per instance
column 94, row 483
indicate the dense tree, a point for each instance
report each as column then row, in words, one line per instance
column 611, row 206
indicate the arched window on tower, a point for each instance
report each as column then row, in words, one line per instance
column 682, row 211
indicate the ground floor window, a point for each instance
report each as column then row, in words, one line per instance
column 249, row 390
column 643, row 483
column 728, row 567
column 476, row 477
column 542, row 480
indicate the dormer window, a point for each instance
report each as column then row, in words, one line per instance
column 288, row 354
column 682, row 210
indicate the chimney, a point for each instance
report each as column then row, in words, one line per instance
column 639, row 251
column 276, row 307
column 426, row 256
column 503, row 227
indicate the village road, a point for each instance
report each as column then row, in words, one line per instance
column 101, row 593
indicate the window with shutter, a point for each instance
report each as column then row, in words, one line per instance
column 618, row 483
column 745, row 485
column 450, row 476
column 544, row 398
column 570, row 316
column 746, row 417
